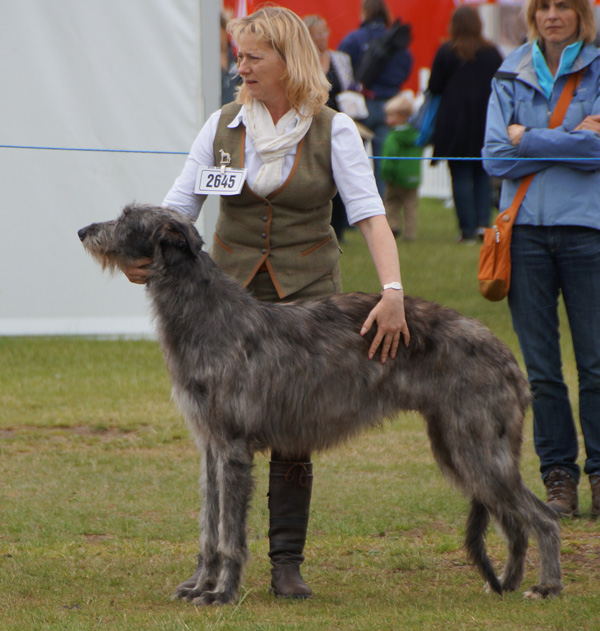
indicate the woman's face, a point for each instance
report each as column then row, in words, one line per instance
column 261, row 69
column 320, row 36
column 557, row 22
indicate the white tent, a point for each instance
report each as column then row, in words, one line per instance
column 102, row 101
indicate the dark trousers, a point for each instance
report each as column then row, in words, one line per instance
column 548, row 261
column 472, row 193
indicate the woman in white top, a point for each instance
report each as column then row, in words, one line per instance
column 274, row 236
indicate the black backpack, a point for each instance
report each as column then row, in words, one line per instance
column 378, row 51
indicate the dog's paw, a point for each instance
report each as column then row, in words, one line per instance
column 488, row 589
column 213, row 598
column 538, row 592
column 184, row 587
column 181, row 593
column 192, row 588
column 493, row 588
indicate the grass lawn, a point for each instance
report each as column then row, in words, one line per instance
column 99, row 501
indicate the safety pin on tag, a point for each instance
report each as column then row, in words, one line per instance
column 225, row 160
column 221, row 179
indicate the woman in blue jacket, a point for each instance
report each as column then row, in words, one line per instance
column 556, row 239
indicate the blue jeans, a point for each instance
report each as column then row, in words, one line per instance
column 472, row 193
column 545, row 262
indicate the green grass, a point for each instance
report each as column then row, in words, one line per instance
column 99, row 502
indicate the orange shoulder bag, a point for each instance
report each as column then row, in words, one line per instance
column 494, row 257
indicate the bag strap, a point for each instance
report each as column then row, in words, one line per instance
column 565, row 98
column 558, row 115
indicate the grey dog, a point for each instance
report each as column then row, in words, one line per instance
column 250, row 376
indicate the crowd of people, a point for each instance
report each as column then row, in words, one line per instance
column 287, row 123
column 461, row 74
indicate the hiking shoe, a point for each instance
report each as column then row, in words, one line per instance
column 561, row 489
column 595, row 484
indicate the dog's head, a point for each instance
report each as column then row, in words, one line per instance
column 142, row 232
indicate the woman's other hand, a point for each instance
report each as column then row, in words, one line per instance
column 590, row 123
column 137, row 272
column 515, row 133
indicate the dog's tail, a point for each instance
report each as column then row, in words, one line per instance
column 477, row 524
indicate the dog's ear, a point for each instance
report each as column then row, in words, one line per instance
column 176, row 241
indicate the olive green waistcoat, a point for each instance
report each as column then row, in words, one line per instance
column 288, row 232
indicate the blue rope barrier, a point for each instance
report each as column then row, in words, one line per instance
column 91, row 150
column 437, row 159
column 185, row 153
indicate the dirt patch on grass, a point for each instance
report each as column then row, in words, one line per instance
column 581, row 549
column 78, row 430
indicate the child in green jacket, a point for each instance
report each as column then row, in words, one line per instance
column 402, row 177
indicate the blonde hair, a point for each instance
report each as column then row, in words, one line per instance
column 585, row 17
column 306, row 87
column 399, row 104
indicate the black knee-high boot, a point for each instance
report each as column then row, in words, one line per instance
column 290, row 487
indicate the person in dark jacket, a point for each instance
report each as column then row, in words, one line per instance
column 462, row 73
column 375, row 22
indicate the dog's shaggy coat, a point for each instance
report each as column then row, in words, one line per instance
column 251, row 376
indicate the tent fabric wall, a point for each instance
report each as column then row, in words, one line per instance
column 105, row 76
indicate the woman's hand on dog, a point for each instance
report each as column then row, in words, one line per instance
column 388, row 313
column 137, row 272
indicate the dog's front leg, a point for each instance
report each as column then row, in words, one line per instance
column 234, row 481
column 210, row 561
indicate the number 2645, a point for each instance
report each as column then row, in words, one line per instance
column 218, row 180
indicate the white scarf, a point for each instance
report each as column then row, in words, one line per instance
column 272, row 142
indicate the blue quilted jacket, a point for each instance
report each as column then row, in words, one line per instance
column 566, row 189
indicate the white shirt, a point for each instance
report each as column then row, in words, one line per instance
column 352, row 171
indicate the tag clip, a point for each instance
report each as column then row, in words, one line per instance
column 225, row 160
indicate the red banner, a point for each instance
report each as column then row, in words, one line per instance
column 513, row 3
column 429, row 20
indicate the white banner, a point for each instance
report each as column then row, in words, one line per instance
column 112, row 78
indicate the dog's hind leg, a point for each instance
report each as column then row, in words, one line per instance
column 205, row 577
column 235, row 484
column 546, row 530
column 477, row 524
column 517, row 535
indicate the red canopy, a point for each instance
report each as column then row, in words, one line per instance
column 504, row 2
column 429, row 19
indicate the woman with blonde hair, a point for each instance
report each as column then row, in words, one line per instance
column 274, row 235
column 555, row 246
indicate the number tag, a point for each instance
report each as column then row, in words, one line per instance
column 216, row 181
